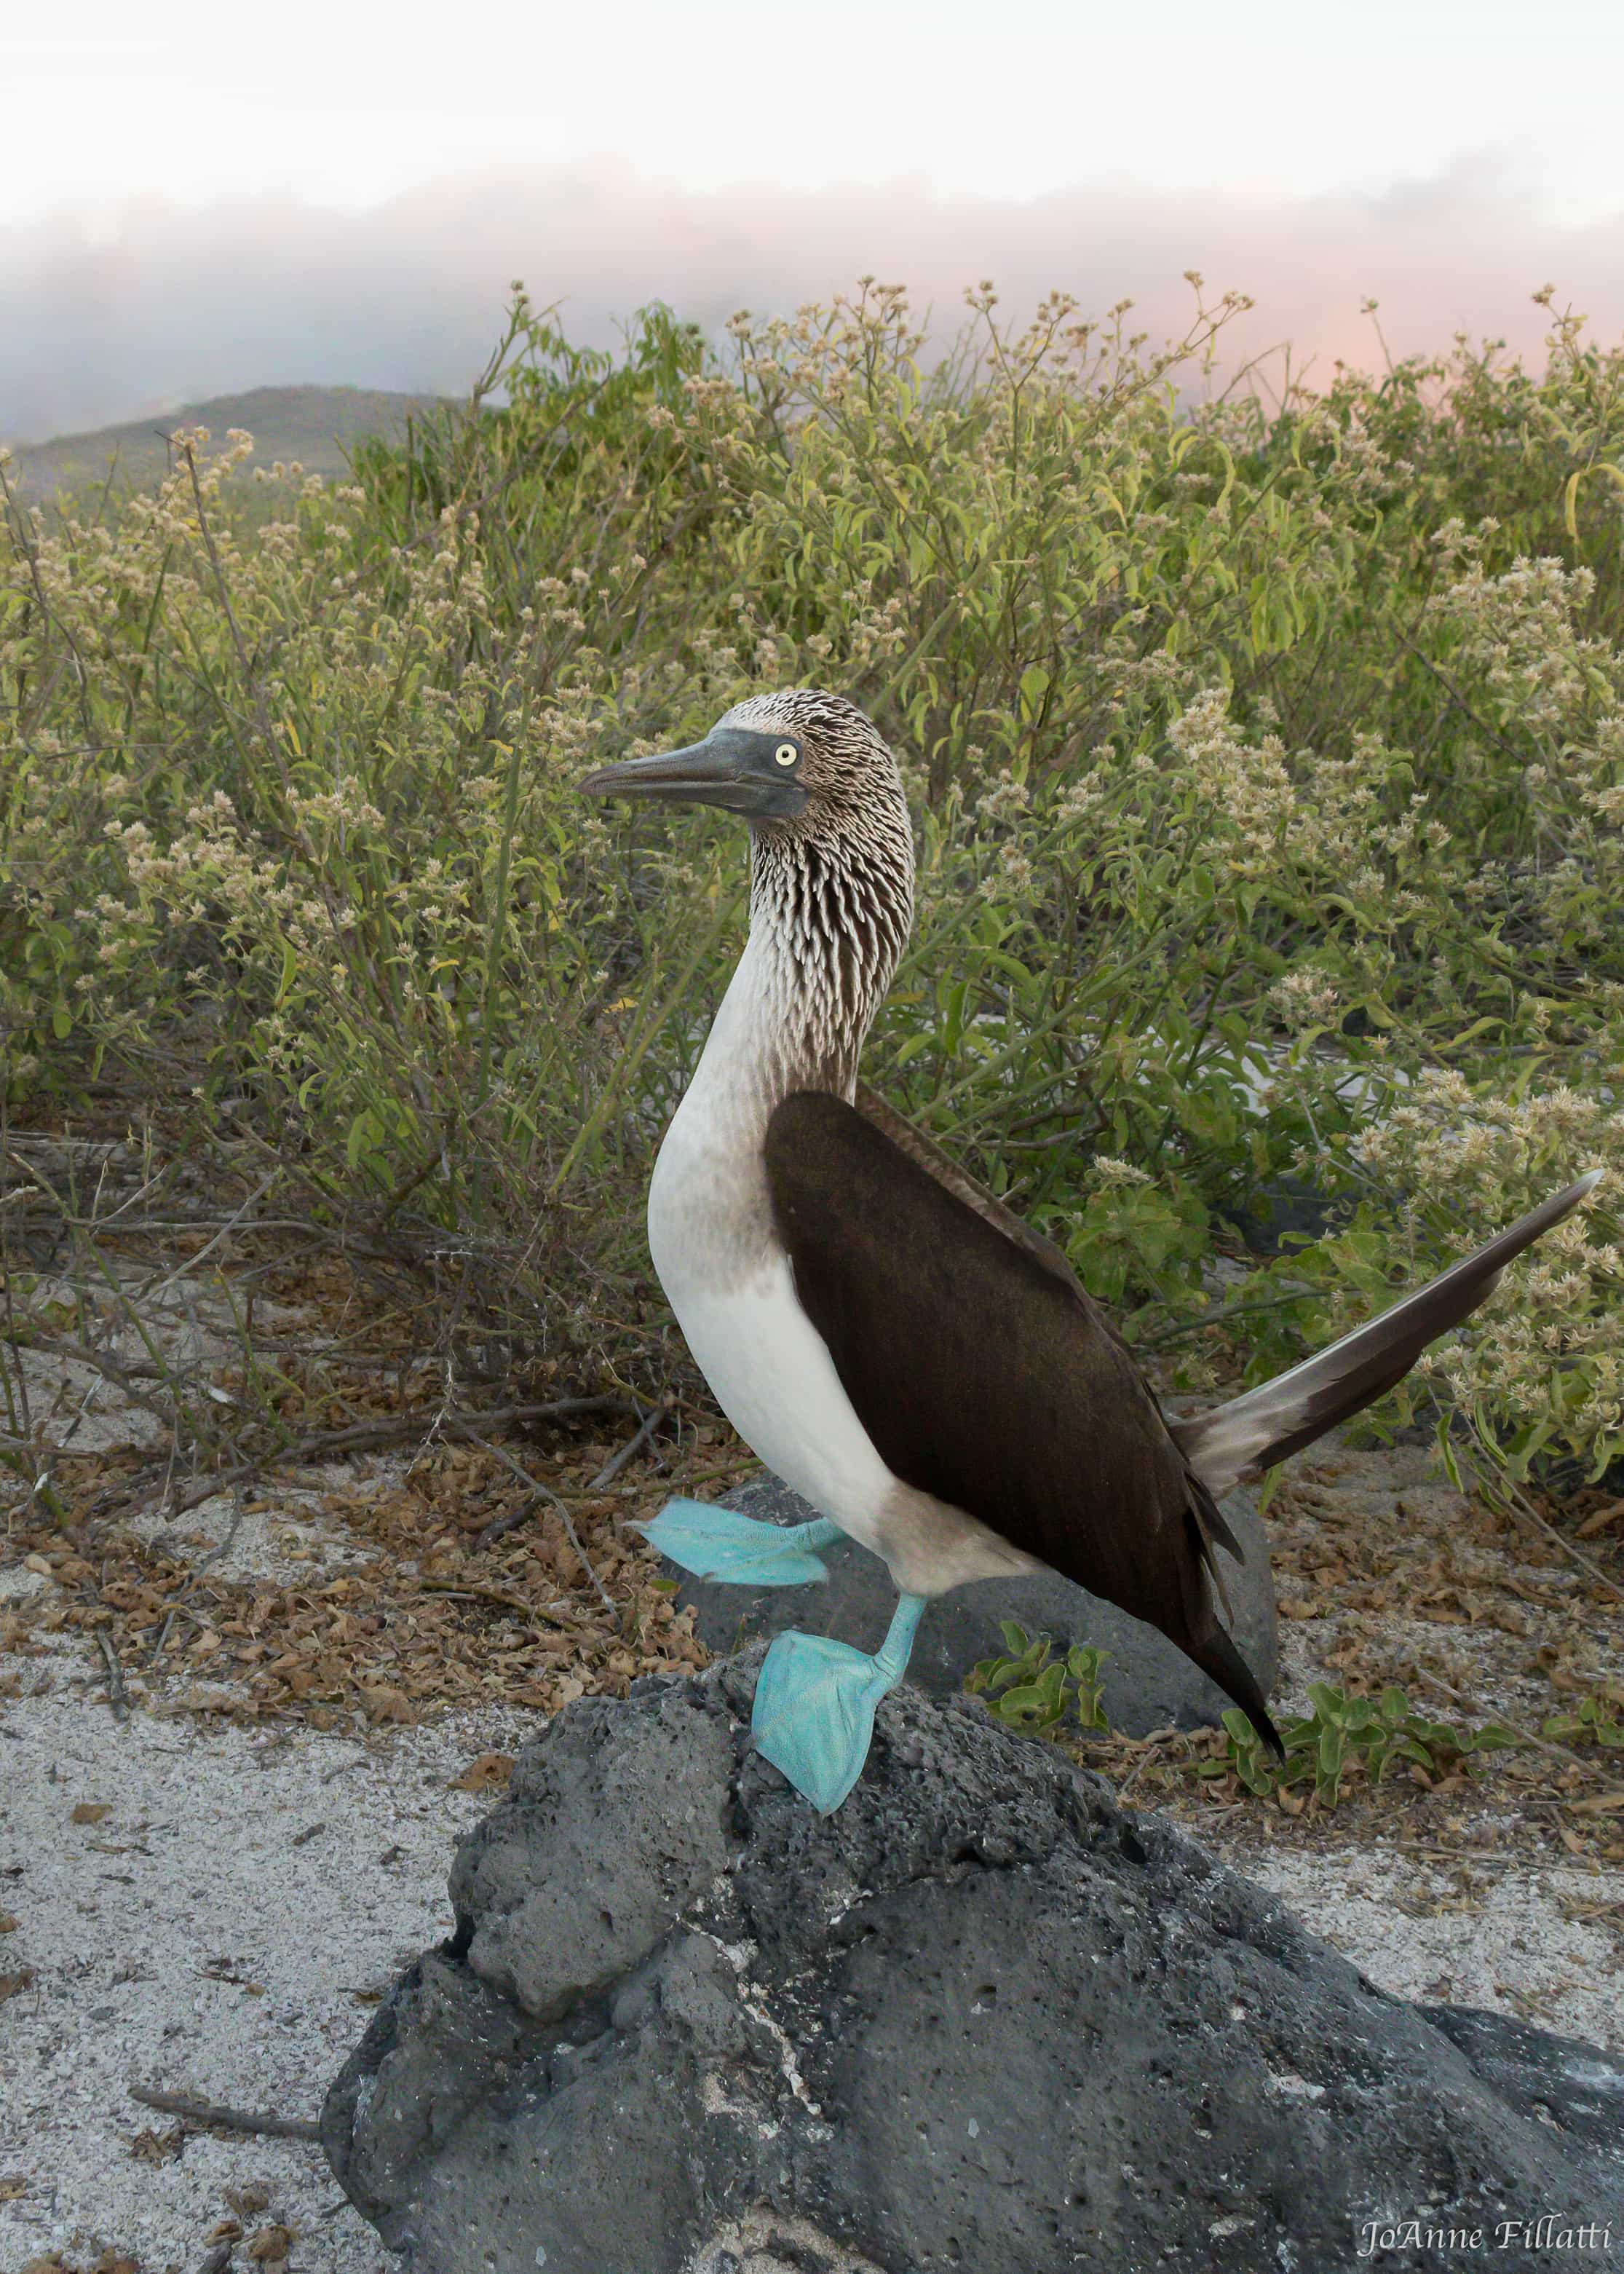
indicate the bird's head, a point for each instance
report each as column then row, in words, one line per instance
column 803, row 764
column 831, row 867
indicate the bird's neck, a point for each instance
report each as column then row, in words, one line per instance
column 827, row 926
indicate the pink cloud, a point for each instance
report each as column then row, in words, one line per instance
column 167, row 304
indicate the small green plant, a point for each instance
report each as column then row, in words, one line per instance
column 1343, row 1734
column 1598, row 1720
column 1032, row 1690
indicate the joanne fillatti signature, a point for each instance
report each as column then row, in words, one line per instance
column 1550, row 2232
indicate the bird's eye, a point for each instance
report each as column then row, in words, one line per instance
column 786, row 753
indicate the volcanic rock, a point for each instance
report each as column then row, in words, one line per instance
column 980, row 2018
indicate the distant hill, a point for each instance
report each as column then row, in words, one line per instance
column 318, row 426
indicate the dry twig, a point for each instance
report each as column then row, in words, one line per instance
column 117, row 1697
column 500, row 1526
column 370, row 1437
column 633, row 1446
column 468, row 1591
column 1526, row 1509
column 229, row 2119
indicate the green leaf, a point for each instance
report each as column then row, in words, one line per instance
column 1033, row 687
column 366, row 1137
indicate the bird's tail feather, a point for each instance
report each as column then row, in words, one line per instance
column 1264, row 1425
column 1216, row 1655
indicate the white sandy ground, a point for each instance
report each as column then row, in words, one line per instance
column 201, row 1938
column 1515, row 1952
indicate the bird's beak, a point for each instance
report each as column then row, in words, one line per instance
column 731, row 768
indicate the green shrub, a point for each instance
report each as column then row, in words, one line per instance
column 1343, row 1734
column 1268, row 759
column 1033, row 1691
column 1596, row 1720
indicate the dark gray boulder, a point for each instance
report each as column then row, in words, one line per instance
column 1149, row 1684
column 979, row 2019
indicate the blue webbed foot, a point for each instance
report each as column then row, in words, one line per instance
column 718, row 1543
column 815, row 1702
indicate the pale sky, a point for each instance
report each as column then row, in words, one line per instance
column 197, row 200
column 346, row 104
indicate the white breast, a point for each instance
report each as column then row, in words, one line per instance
column 728, row 1280
column 774, row 1380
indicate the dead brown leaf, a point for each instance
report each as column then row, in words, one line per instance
column 1614, row 1513
column 150, row 2147
column 489, row 1773
column 413, row 1623
column 8, row 1922
column 90, row 1811
column 11, row 1984
column 270, row 2246
column 1600, row 1803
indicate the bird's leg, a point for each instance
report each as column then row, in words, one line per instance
column 814, row 1701
column 718, row 1543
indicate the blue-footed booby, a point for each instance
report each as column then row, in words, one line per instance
column 917, row 1363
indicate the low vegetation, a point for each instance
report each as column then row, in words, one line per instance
column 1343, row 1736
column 1034, row 1692
column 1266, row 749
column 1596, row 1720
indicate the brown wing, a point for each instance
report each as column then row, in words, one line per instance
column 986, row 1377
column 927, row 1155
